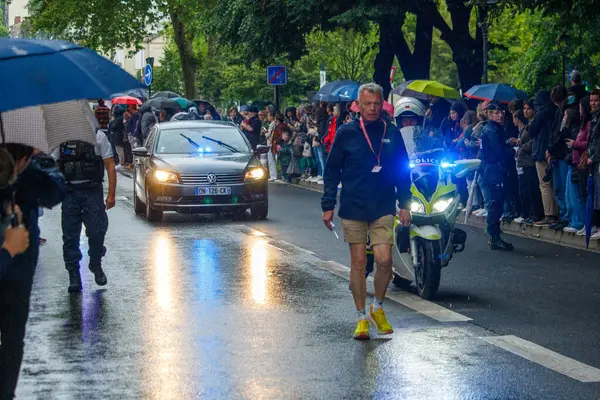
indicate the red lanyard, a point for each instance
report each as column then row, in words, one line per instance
column 362, row 125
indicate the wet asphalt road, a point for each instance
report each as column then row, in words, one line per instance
column 203, row 308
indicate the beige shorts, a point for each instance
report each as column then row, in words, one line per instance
column 380, row 231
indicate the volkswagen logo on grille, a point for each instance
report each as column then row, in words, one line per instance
column 211, row 178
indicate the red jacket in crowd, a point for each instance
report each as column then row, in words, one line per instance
column 328, row 140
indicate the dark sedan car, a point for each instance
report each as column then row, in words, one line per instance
column 199, row 167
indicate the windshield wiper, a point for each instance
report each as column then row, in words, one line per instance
column 189, row 139
column 227, row 146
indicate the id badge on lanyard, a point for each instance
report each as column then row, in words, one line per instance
column 377, row 167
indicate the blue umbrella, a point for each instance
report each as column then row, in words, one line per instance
column 347, row 92
column 35, row 72
column 326, row 93
column 589, row 210
column 496, row 91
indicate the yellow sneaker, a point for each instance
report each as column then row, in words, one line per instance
column 362, row 330
column 380, row 321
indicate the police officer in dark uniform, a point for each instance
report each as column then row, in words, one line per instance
column 83, row 166
column 494, row 173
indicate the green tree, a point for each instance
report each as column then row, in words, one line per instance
column 3, row 28
column 347, row 53
column 168, row 76
column 274, row 27
column 106, row 25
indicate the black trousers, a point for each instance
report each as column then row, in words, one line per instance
column 14, row 310
column 531, row 197
column 128, row 153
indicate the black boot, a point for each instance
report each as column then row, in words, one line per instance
column 99, row 275
column 497, row 243
column 74, row 281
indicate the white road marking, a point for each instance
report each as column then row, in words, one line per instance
column 409, row 300
column 425, row 307
column 247, row 230
column 520, row 347
column 547, row 358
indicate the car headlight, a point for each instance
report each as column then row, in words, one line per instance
column 417, row 206
column 255, row 174
column 165, row 176
column 442, row 204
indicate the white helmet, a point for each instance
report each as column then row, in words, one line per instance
column 409, row 107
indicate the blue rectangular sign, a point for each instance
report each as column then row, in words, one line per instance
column 276, row 75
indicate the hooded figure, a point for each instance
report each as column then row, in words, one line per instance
column 450, row 127
column 147, row 121
column 577, row 87
column 116, row 127
column 541, row 126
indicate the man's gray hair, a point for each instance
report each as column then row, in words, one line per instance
column 372, row 88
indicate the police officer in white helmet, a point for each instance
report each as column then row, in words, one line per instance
column 409, row 114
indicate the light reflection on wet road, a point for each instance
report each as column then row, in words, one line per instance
column 205, row 311
column 258, row 270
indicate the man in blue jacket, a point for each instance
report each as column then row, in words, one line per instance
column 35, row 187
column 369, row 158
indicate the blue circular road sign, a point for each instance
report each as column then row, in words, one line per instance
column 148, row 75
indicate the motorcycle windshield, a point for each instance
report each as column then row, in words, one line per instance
column 426, row 178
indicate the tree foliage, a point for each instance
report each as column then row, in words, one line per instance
column 98, row 24
column 3, row 28
column 347, row 53
column 106, row 25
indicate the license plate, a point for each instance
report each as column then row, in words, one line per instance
column 213, row 191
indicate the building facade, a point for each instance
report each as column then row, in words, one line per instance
column 152, row 47
column 14, row 14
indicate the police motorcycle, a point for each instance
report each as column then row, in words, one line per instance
column 427, row 246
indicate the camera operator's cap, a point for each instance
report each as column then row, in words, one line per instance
column 494, row 106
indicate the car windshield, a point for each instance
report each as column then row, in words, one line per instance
column 201, row 140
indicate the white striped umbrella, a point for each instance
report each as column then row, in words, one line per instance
column 45, row 127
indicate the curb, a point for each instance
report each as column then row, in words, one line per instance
column 544, row 234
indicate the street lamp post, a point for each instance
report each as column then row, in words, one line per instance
column 484, row 25
column 484, row 34
column 563, row 41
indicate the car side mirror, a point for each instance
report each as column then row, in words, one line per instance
column 140, row 152
column 262, row 149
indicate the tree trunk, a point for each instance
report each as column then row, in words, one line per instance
column 415, row 64
column 183, row 39
column 467, row 52
column 470, row 68
column 384, row 59
column 420, row 62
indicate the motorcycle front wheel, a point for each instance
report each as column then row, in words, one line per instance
column 428, row 269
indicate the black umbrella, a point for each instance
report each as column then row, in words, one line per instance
column 167, row 94
column 403, row 91
column 207, row 105
column 261, row 104
column 163, row 103
column 138, row 93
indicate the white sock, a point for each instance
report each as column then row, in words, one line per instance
column 361, row 314
column 377, row 304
